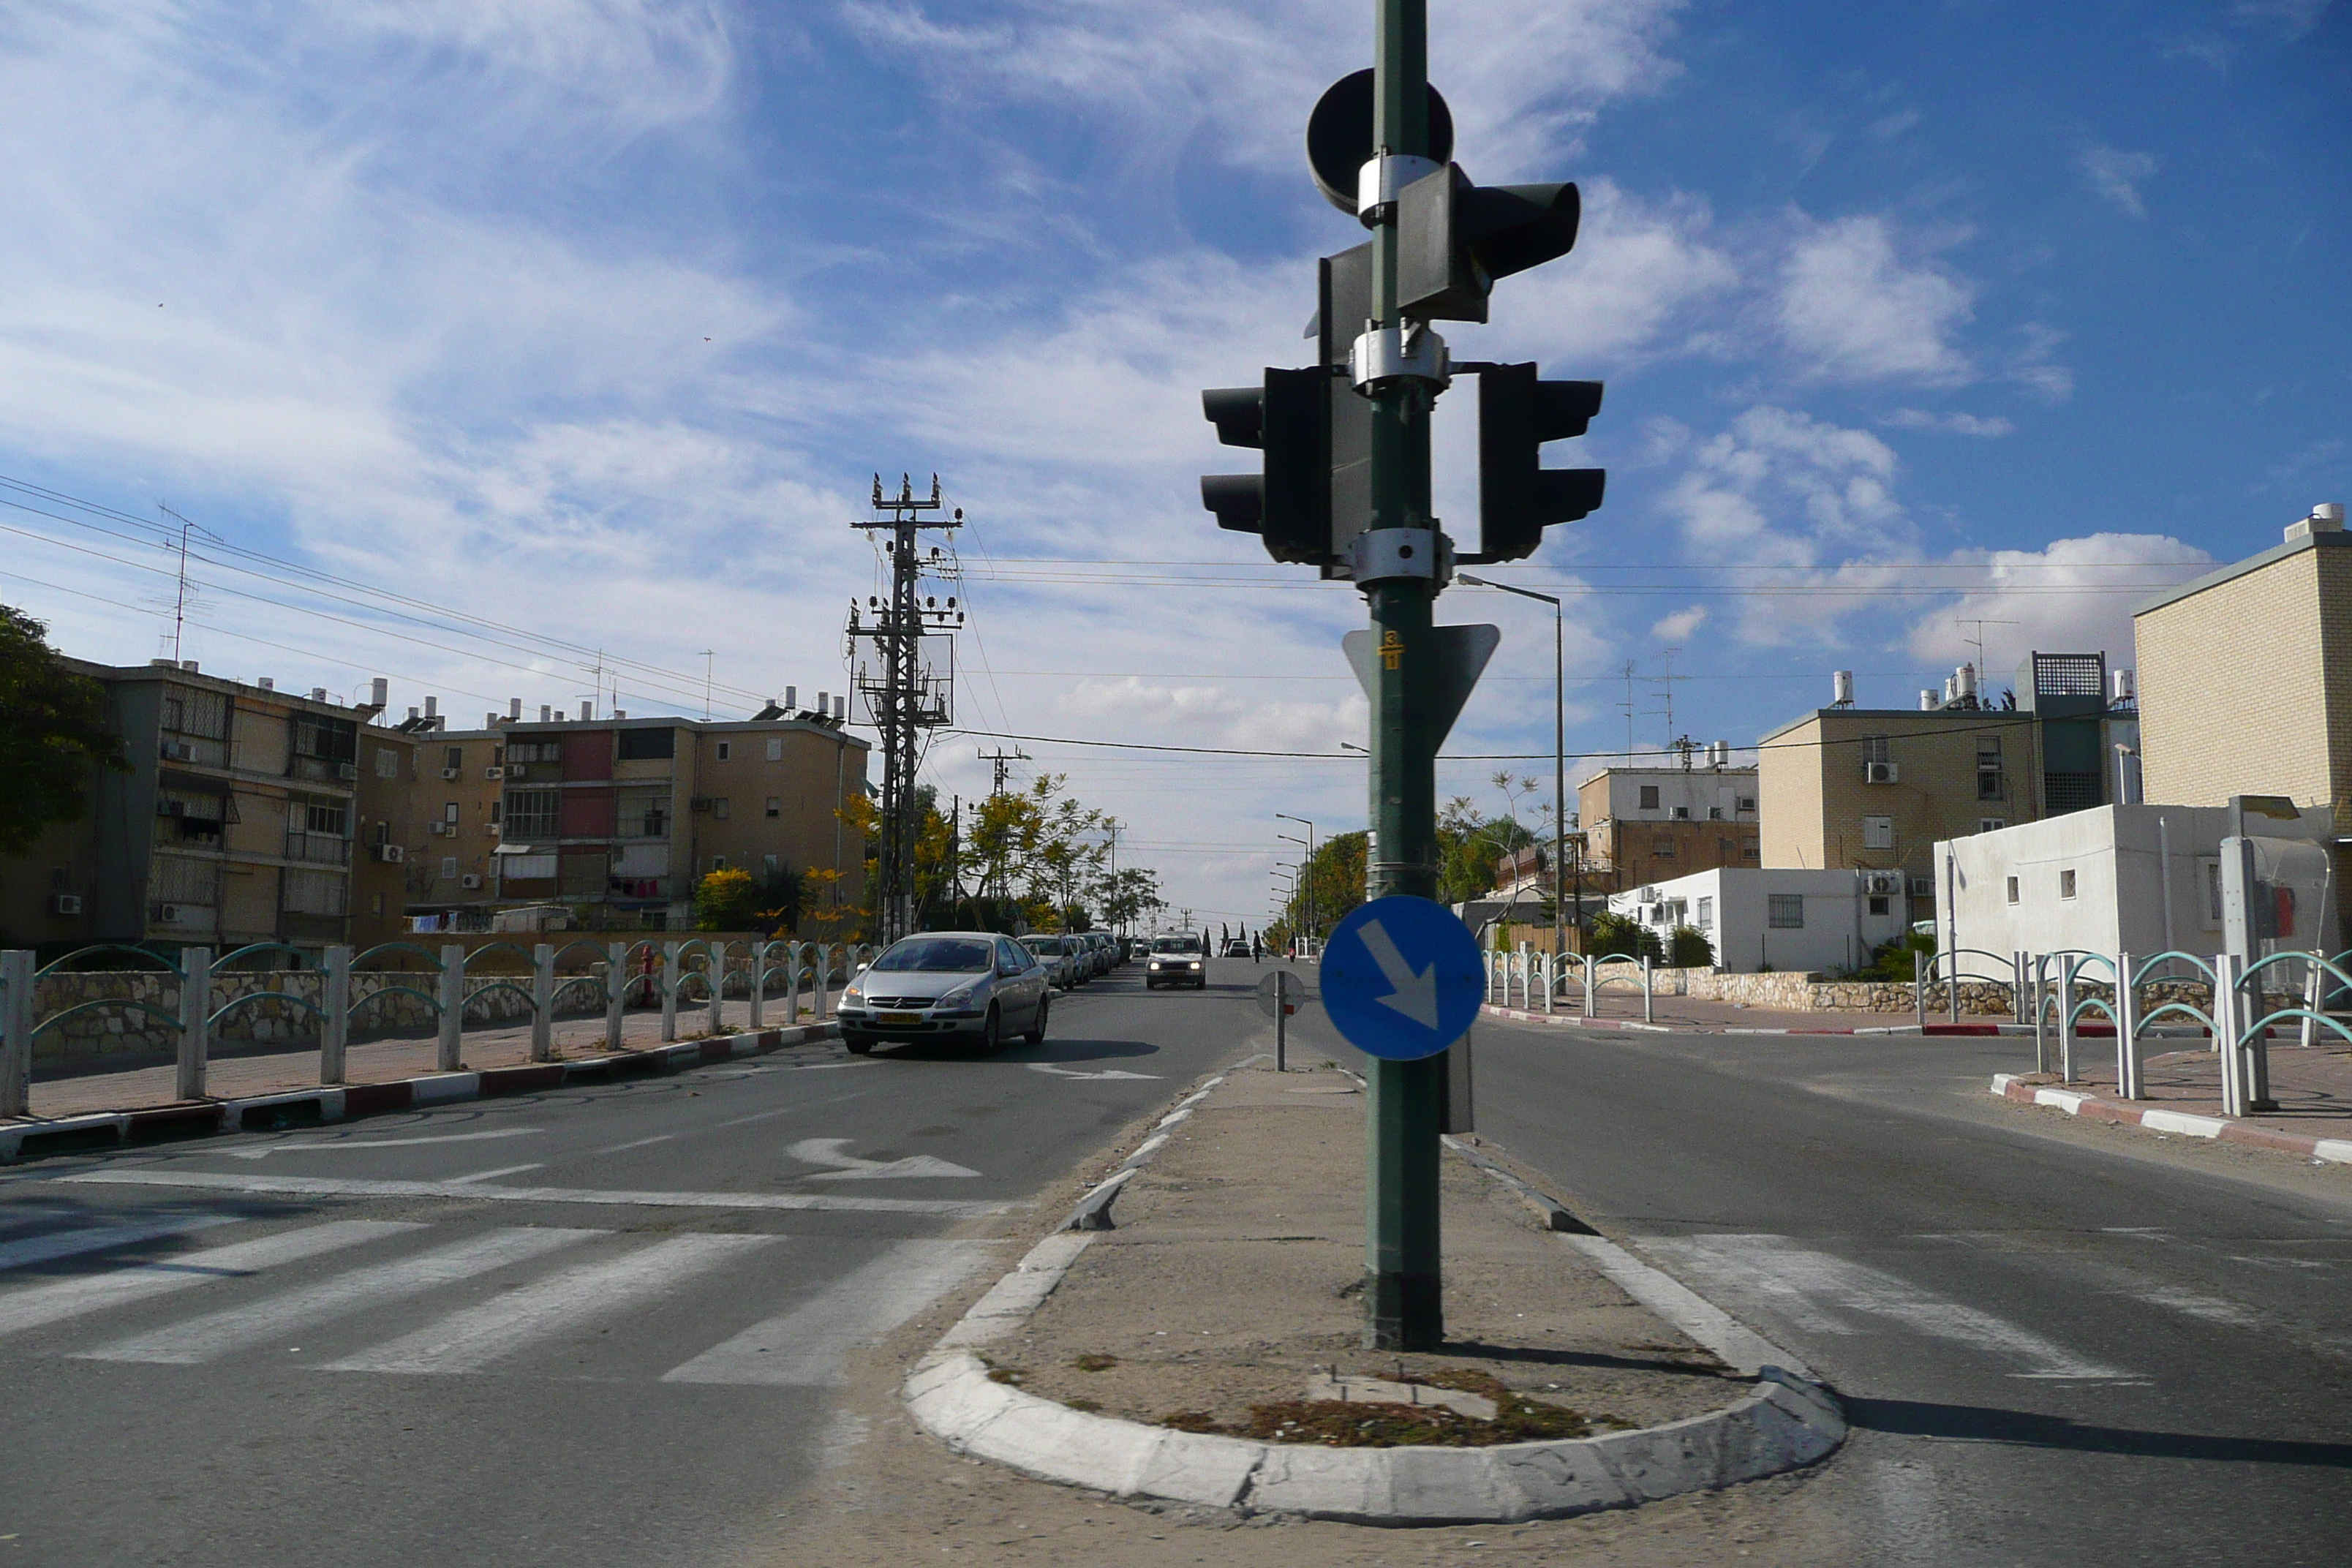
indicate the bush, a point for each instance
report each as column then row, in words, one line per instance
column 1616, row 935
column 1687, row 948
column 726, row 900
column 1893, row 961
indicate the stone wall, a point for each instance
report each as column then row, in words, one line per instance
column 1797, row 991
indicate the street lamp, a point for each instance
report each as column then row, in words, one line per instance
column 1559, row 757
column 1285, row 816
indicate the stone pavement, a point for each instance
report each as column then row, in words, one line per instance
column 382, row 1060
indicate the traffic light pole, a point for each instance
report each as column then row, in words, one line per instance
column 1402, row 1306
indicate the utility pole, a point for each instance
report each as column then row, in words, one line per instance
column 906, row 696
column 1001, row 758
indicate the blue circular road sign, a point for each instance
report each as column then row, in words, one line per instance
column 1402, row 978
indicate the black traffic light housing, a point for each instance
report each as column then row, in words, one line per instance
column 1289, row 504
column 1455, row 238
column 1519, row 498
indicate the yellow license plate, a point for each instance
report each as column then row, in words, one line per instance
column 897, row 1017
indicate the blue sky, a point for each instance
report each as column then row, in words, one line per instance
column 593, row 319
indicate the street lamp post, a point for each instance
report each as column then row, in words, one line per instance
column 1558, row 756
column 1310, row 873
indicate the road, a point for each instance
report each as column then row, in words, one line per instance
column 594, row 1326
column 2056, row 1345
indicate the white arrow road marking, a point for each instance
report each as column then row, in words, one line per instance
column 1107, row 1072
column 310, row 1146
column 1415, row 995
column 850, row 1168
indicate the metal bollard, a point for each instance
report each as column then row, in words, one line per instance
column 2066, row 1019
column 1282, row 1020
column 1919, row 988
column 2127, row 1059
column 196, row 1020
column 717, row 960
column 1646, row 1015
column 2226, row 1027
column 669, row 991
column 1952, row 987
column 756, row 982
column 2041, row 1018
column 1551, row 979
column 450, row 1057
column 824, row 979
column 16, row 1032
column 542, row 1003
column 335, row 1028
column 617, row 992
column 792, row 954
column 1591, row 1003
column 2017, row 984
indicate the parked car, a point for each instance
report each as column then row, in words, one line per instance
column 1105, row 948
column 970, row 987
column 1059, row 954
column 1236, row 947
column 1175, row 959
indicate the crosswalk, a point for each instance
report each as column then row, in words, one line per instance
column 413, row 1299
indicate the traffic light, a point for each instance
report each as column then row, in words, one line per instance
column 1289, row 504
column 1455, row 238
column 1519, row 498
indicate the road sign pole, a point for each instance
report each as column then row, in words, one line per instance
column 1402, row 1304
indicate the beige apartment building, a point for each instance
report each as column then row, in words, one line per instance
column 2246, row 677
column 616, row 819
column 246, row 814
column 1647, row 825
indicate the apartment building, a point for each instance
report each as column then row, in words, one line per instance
column 1875, row 788
column 247, row 815
column 1644, row 824
column 618, row 818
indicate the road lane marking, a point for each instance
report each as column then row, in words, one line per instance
column 806, row 1347
column 1108, row 1072
column 501, row 1171
column 58, row 1244
column 848, row 1167
column 49, row 1303
column 468, row 1339
column 639, row 1143
column 316, row 1145
column 361, row 1187
column 236, row 1328
column 1775, row 1268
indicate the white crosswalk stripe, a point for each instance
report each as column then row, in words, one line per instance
column 31, row 1249
column 468, row 1339
column 63, row 1298
column 258, row 1322
column 806, row 1346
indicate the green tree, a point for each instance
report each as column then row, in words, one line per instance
column 1623, row 937
column 52, row 734
column 1336, row 878
column 727, row 900
column 1689, row 947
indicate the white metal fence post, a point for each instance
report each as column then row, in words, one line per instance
column 716, row 958
column 2258, row 1052
column 616, row 991
column 1591, row 1003
column 1646, row 1016
column 794, row 953
column 1952, row 979
column 2127, row 1062
column 2066, row 1019
column 2041, row 1016
column 2309, row 1035
column 824, row 979
column 1919, row 988
column 2017, row 984
column 16, row 1032
column 335, row 1002
column 542, row 1003
column 196, row 1020
column 2226, row 1029
column 756, row 979
column 453, row 1008
column 1551, row 979
column 669, row 991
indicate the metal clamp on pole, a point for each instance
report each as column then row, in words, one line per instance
column 1381, row 554
column 1380, row 181
column 1385, row 355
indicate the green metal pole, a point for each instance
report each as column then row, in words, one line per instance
column 1402, row 1306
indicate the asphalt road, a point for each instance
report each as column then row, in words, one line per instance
column 590, row 1327
column 2057, row 1344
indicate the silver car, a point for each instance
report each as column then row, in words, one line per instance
column 1175, row 959
column 970, row 986
column 1064, row 964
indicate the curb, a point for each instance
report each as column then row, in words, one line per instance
column 2091, row 1108
column 1784, row 1424
column 2082, row 1031
column 309, row 1106
column 1093, row 1211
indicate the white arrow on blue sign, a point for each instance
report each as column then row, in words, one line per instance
column 1402, row 978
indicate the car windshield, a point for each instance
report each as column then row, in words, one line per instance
column 1045, row 945
column 938, row 955
column 1176, row 944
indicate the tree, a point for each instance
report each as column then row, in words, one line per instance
column 1687, row 947
column 1335, row 875
column 53, row 733
column 726, row 900
column 1620, row 936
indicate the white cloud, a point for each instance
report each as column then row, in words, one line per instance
column 1952, row 424
column 1854, row 310
column 2075, row 596
column 1678, row 625
column 2116, row 175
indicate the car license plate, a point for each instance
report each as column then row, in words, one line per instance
column 897, row 1017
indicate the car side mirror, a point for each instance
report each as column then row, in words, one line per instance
column 859, row 970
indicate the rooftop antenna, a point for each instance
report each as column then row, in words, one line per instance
column 706, row 685
column 1977, row 642
column 180, row 603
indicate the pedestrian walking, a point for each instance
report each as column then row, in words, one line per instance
column 1257, row 948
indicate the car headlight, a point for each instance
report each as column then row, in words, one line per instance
column 963, row 995
column 1193, row 964
column 853, row 994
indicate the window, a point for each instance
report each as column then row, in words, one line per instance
column 2066, row 884
column 2013, row 889
column 326, row 817
column 644, row 814
column 726, row 750
column 1874, row 748
column 1715, row 813
column 323, row 738
column 1649, row 797
column 535, row 752
column 1989, row 783
column 496, row 808
column 775, row 748
column 454, row 757
column 1785, row 912
column 448, row 868
column 1747, row 803
column 1663, row 851
column 772, row 863
column 450, row 813
column 387, row 763
column 1992, row 824
column 1011, row 956
column 2212, row 868
column 720, row 808
column 526, row 867
column 1878, row 833
column 534, row 815
column 1707, row 914
column 1750, row 851
column 719, row 862
column 775, row 806
column 315, row 892
column 648, row 745
column 1878, row 903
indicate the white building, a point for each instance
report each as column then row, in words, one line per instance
column 2130, row 879
column 1776, row 919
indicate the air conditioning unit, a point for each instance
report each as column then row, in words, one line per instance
column 165, row 914
column 517, row 771
column 1682, row 814
column 490, row 830
column 494, row 772
column 1880, row 772
column 348, row 771
column 171, row 808
column 179, row 752
column 451, row 772
column 390, row 854
column 65, row 903
column 471, row 879
column 1882, row 882
column 699, row 803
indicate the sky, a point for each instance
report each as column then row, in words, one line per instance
column 566, row 337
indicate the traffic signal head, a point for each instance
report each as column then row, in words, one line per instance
column 1455, row 238
column 1289, row 504
column 1519, row 498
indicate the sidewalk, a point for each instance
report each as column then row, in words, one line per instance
column 2312, row 1086
column 1692, row 1015
column 383, row 1060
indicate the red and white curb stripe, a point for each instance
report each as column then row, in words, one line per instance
column 1578, row 1020
column 33, row 1137
column 2091, row 1108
